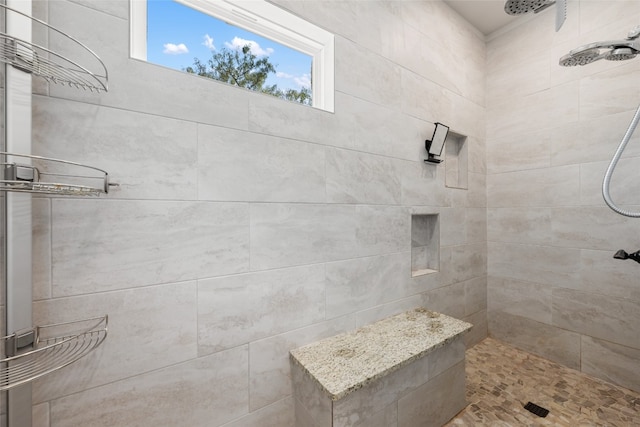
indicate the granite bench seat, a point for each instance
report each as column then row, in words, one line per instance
column 405, row 370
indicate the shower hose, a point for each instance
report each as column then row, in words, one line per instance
column 612, row 166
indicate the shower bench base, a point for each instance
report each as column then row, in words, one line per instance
column 405, row 371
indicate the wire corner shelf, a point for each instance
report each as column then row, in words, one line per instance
column 53, row 67
column 37, row 352
column 36, row 174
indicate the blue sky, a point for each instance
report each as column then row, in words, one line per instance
column 177, row 34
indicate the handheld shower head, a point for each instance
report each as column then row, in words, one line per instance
column 616, row 50
column 621, row 54
column 520, row 7
column 582, row 57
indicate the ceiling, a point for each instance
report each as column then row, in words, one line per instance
column 486, row 15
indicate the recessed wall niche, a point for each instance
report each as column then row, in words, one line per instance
column 456, row 159
column 425, row 244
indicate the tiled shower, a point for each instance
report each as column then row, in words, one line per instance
column 245, row 226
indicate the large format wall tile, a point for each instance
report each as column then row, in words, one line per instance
column 237, row 309
column 204, row 392
column 611, row 362
column 279, row 414
column 538, row 187
column 554, row 343
column 159, row 161
column 149, row 328
column 290, row 234
column 269, row 371
column 362, row 283
column 105, row 245
column 518, row 298
column 361, row 178
column 598, row 316
column 551, row 266
column 246, row 166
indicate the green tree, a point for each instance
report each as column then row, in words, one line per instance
column 243, row 68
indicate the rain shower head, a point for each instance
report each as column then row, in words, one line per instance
column 613, row 50
column 520, row 7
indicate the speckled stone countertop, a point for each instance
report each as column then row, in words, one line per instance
column 346, row 362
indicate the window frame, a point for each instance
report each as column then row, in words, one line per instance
column 266, row 20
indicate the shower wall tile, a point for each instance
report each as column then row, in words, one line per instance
column 527, row 150
column 380, row 87
column 475, row 295
column 519, row 298
column 109, row 244
column 611, row 362
column 595, row 14
column 354, row 177
column 258, row 305
column 423, row 185
column 599, row 271
column 269, row 370
column 149, row 328
column 453, row 226
column 609, row 92
column 246, row 166
column 479, row 331
column 477, row 156
column 538, row 187
column 207, row 391
column 159, row 161
column 424, row 99
column 466, row 262
column 39, row 415
column 581, row 142
column 449, row 300
column 382, row 229
column 597, row 315
column 554, row 343
column 553, row 266
column 119, row 8
column 380, row 312
column 279, row 414
column 288, row 234
column 41, row 248
column 519, row 225
column 624, row 188
column 363, row 283
column 518, row 79
column 591, row 228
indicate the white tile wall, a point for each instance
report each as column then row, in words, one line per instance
column 554, row 287
column 245, row 225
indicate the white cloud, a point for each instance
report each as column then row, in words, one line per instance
column 175, row 49
column 237, row 44
column 303, row 80
column 208, row 42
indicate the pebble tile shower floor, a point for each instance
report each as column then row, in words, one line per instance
column 502, row 379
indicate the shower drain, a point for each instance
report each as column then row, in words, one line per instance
column 535, row 409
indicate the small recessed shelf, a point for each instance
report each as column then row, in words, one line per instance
column 456, row 161
column 425, row 244
column 42, row 350
column 35, row 174
column 53, row 67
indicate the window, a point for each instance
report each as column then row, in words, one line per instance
column 264, row 23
